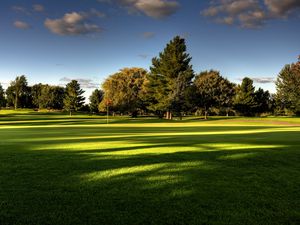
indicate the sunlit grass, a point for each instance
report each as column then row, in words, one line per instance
column 57, row 169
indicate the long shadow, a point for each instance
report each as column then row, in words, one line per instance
column 217, row 186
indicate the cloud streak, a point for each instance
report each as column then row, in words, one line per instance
column 84, row 83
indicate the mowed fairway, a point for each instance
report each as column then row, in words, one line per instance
column 58, row 170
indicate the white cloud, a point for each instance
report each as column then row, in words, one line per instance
column 282, row 7
column 84, row 83
column 21, row 25
column 249, row 13
column 72, row 24
column 38, row 8
column 148, row 35
column 20, row 9
column 157, row 9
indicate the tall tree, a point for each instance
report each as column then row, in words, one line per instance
column 95, row 100
column 288, row 87
column 245, row 102
column 170, row 77
column 36, row 91
column 213, row 90
column 263, row 101
column 124, row 90
column 18, row 90
column 73, row 96
column 2, row 97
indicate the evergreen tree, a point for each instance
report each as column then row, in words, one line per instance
column 288, row 87
column 95, row 100
column 170, row 77
column 73, row 97
column 263, row 101
column 245, row 102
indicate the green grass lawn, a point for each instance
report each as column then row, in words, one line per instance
column 58, row 170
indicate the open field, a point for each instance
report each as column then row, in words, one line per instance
column 57, row 170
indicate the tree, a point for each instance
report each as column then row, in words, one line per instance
column 36, row 91
column 95, row 100
column 170, row 77
column 245, row 102
column 2, row 97
column 213, row 90
column 73, row 97
column 263, row 101
column 47, row 96
column 288, row 87
column 124, row 90
column 18, row 92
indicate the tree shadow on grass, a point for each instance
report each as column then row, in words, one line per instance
column 214, row 185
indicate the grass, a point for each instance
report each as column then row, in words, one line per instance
column 60, row 170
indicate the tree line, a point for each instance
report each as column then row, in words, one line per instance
column 170, row 88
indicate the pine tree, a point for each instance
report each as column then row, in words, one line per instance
column 288, row 87
column 95, row 100
column 170, row 77
column 245, row 102
column 73, row 97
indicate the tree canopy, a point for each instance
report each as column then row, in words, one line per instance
column 170, row 77
column 73, row 99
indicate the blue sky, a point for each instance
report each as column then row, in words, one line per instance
column 53, row 41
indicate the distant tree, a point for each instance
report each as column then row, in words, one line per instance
column 263, row 101
column 18, row 91
column 57, row 94
column 73, row 99
column 170, row 77
column 36, row 93
column 213, row 90
column 245, row 102
column 124, row 89
column 95, row 100
column 2, row 97
column 288, row 88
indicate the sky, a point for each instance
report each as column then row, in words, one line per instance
column 55, row 41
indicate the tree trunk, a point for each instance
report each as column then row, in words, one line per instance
column 70, row 112
column 16, row 102
column 167, row 115
column 170, row 116
column 205, row 115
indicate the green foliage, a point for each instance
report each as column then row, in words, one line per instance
column 170, row 78
column 18, row 93
column 47, row 96
column 95, row 100
column 213, row 90
column 2, row 97
column 124, row 90
column 73, row 100
column 263, row 101
column 288, row 88
column 245, row 102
